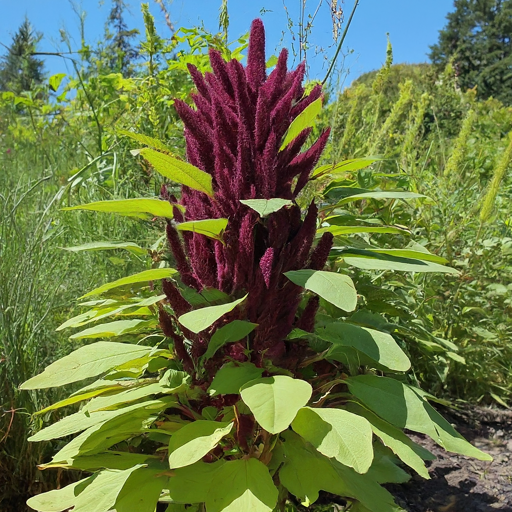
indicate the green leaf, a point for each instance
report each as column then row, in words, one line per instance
column 413, row 254
column 305, row 471
column 366, row 490
column 85, row 362
column 231, row 377
column 384, row 194
column 144, row 205
column 408, row 451
column 379, row 346
column 142, row 277
column 102, row 493
column 55, row 81
column 385, row 468
column 306, row 119
column 105, row 460
column 275, row 401
column 402, row 406
column 338, row 289
column 230, row 333
column 451, row 440
column 337, row 434
column 393, row 401
column 105, row 246
column 141, row 491
column 59, row 500
column 117, row 328
column 352, row 165
column 79, row 398
column 347, row 230
column 102, row 403
column 193, row 441
column 374, row 261
column 145, row 140
column 83, row 420
column 129, row 423
column 243, row 484
column 266, row 206
column 191, row 484
column 199, row 319
column 179, row 171
column 212, row 228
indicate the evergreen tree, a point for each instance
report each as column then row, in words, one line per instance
column 19, row 69
column 478, row 39
column 121, row 53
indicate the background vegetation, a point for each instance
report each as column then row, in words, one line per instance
column 440, row 133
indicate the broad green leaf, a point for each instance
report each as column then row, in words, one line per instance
column 393, row 401
column 83, row 420
column 143, row 205
column 191, row 484
column 347, row 230
column 451, row 440
column 338, row 289
column 385, row 467
column 115, row 308
column 105, row 460
column 230, row 333
column 102, row 403
column 242, row 485
column 386, row 262
column 141, row 491
column 85, row 362
column 117, row 328
column 212, row 228
column 129, row 423
column 102, row 493
column 193, row 441
column 80, row 398
column 275, row 401
column 199, row 319
column 306, row 119
column 145, row 140
column 142, row 277
column 104, row 246
column 179, row 171
column 59, row 500
column 384, row 194
column 409, row 452
column 402, row 406
column 55, row 81
column 352, row 165
column 305, row 471
column 337, row 434
column 413, row 254
column 366, row 490
column 379, row 346
column 231, row 377
column 266, row 206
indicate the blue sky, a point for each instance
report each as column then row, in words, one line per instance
column 413, row 25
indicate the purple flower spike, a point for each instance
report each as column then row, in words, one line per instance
column 235, row 133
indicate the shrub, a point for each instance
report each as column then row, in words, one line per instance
column 248, row 387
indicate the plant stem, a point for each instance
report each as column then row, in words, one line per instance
column 342, row 40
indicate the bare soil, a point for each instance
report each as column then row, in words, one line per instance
column 461, row 484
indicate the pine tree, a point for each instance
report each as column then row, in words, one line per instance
column 121, row 52
column 478, row 37
column 19, row 69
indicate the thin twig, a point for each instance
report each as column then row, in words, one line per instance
column 333, row 63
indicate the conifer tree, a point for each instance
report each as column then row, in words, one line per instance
column 120, row 50
column 19, row 69
column 478, row 37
